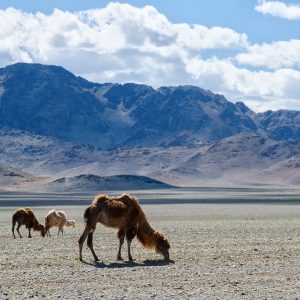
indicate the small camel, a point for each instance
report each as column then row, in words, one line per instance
column 126, row 215
column 25, row 216
column 59, row 219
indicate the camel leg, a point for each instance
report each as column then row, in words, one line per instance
column 19, row 225
column 13, row 228
column 29, row 234
column 121, row 236
column 47, row 229
column 130, row 234
column 60, row 229
column 90, row 245
column 82, row 239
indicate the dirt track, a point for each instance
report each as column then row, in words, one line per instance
column 219, row 252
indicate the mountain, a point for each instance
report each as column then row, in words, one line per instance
column 243, row 159
column 55, row 125
column 93, row 183
column 280, row 125
column 50, row 101
column 285, row 172
column 12, row 178
column 239, row 159
column 42, row 155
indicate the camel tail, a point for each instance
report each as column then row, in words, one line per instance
column 86, row 214
column 13, row 221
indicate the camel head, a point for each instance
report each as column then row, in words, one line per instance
column 162, row 245
column 41, row 228
column 70, row 223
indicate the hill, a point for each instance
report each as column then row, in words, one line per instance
column 93, row 183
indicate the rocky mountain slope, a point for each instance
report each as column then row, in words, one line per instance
column 12, row 178
column 243, row 159
column 54, row 125
column 280, row 125
column 42, row 155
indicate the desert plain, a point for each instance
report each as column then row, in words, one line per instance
column 225, row 244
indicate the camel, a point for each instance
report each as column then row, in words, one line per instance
column 126, row 215
column 25, row 216
column 59, row 219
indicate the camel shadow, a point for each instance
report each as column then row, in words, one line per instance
column 130, row 264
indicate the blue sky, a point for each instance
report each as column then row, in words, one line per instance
column 247, row 50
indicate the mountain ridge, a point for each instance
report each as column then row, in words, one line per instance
column 54, row 124
column 115, row 115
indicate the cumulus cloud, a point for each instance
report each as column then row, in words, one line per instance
column 279, row 9
column 281, row 54
column 261, row 90
column 106, row 44
column 123, row 43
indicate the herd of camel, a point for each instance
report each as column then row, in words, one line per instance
column 121, row 212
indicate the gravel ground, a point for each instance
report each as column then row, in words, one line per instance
column 218, row 251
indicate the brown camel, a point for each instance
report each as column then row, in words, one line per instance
column 124, row 213
column 25, row 216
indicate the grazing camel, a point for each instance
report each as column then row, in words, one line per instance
column 59, row 219
column 124, row 213
column 25, row 216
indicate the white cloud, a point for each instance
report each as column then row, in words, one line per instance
column 122, row 43
column 281, row 54
column 198, row 37
column 126, row 36
column 259, row 89
column 279, row 9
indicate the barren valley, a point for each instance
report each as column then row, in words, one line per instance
column 219, row 250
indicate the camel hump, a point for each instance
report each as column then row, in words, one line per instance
column 99, row 199
column 61, row 214
column 128, row 199
column 133, row 203
column 29, row 211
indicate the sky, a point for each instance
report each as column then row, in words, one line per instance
column 246, row 50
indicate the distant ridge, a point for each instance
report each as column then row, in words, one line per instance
column 94, row 183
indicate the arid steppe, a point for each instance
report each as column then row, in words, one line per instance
column 218, row 251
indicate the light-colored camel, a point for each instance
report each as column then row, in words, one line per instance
column 58, row 219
